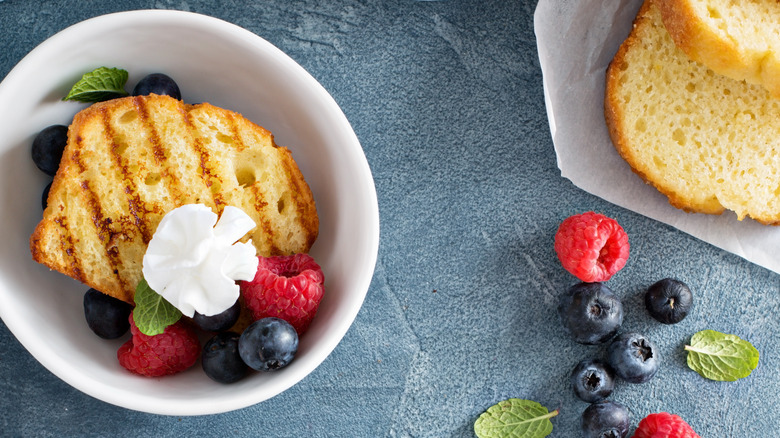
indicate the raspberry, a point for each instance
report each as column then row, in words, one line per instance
column 170, row 352
column 285, row 287
column 664, row 425
column 591, row 246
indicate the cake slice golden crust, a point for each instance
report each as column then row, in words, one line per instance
column 739, row 39
column 130, row 161
column 704, row 140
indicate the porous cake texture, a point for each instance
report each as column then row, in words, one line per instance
column 736, row 38
column 706, row 141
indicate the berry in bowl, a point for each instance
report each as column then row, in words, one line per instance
column 103, row 211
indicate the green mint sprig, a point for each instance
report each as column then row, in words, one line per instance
column 515, row 418
column 719, row 356
column 100, row 84
column 152, row 312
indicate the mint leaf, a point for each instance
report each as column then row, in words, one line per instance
column 515, row 418
column 718, row 356
column 100, row 84
column 152, row 312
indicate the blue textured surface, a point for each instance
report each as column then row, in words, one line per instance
column 446, row 98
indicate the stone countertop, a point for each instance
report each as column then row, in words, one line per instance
column 446, row 98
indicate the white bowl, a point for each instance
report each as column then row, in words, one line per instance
column 212, row 61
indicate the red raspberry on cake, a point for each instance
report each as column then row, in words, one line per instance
column 286, row 287
column 664, row 425
column 591, row 246
column 170, row 352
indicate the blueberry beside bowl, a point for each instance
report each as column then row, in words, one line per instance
column 590, row 313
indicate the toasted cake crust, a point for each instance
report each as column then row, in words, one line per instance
column 738, row 39
column 706, row 141
column 129, row 161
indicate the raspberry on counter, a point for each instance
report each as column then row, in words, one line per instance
column 591, row 246
column 664, row 425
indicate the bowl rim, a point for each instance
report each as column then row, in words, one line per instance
column 361, row 281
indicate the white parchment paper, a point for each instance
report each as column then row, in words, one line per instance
column 576, row 39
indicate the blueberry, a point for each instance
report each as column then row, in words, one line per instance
column 633, row 357
column 220, row 358
column 157, row 83
column 47, row 148
column 107, row 316
column 590, row 313
column 268, row 344
column 45, row 195
column 605, row 419
column 669, row 300
column 592, row 380
column 219, row 322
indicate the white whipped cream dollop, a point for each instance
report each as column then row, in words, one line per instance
column 193, row 260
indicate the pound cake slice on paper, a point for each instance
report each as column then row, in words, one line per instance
column 130, row 161
column 706, row 141
column 739, row 39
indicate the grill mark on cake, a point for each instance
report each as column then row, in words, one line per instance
column 103, row 230
column 302, row 215
column 69, row 249
column 238, row 143
column 265, row 224
column 137, row 211
column 158, row 152
column 134, row 203
column 76, row 155
column 259, row 199
column 204, row 159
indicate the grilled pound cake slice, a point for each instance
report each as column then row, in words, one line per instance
column 704, row 140
column 129, row 161
column 739, row 39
